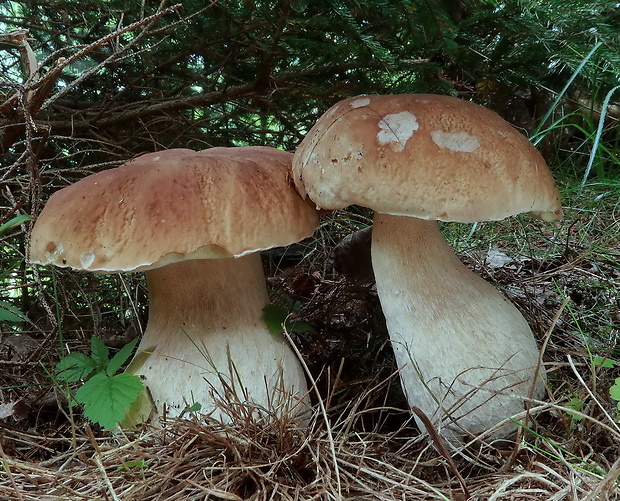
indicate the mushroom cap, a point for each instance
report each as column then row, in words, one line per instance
column 421, row 155
column 177, row 204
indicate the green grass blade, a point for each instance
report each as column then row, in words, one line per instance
column 597, row 137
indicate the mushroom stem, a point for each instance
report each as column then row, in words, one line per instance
column 206, row 342
column 466, row 355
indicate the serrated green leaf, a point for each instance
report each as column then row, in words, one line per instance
column 614, row 391
column 75, row 367
column 577, row 405
column 9, row 314
column 298, row 326
column 276, row 318
column 604, row 362
column 106, row 399
column 121, row 357
column 99, row 352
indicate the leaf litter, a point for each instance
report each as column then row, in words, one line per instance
column 371, row 449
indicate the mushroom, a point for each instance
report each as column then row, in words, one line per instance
column 467, row 357
column 195, row 222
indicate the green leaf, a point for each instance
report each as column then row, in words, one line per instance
column 195, row 407
column 276, row 318
column 577, row 405
column 107, row 399
column 604, row 362
column 99, row 352
column 12, row 223
column 614, row 392
column 139, row 463
column 121, row 357
column 75, row 367
column 9, row 314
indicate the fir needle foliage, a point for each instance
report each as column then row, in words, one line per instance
column 7, row 312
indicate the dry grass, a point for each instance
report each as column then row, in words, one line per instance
column 191, row 460
column 363, row 444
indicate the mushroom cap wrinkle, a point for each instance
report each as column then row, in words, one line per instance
column 177, row 204
column 427, row 156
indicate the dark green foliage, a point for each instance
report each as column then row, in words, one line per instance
column 277, row 319
column 260, row 72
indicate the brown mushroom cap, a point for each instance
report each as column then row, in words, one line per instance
column 173, row 205
column 428, row 156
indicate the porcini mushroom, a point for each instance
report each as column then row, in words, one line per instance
column 467, row 357
column 195, row 222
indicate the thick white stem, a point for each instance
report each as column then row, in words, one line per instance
column 206, row 341
column 467, row 356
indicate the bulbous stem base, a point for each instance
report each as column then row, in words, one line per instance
column 206, row 342
column 467, row 357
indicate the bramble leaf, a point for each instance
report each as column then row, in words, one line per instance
column 276, row 318
column 99, row 352
column 75, row 367
column 614, row 392
column 604, row 362
column 121, row 357
column 107, row 399
column 575, row 404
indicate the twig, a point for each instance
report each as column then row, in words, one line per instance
column 100, row 467
column 7, row 469
column 608, row 483
column 94, row 45
column 441, row 447
column 323, row 413
column 20, row 40
column 515, row 451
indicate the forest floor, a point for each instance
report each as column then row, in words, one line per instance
column 363, row 443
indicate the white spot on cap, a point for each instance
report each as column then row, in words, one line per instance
column 332, row 111
column 455, row 141
column 397, row 129
column 87, row 259
column 360, row 102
